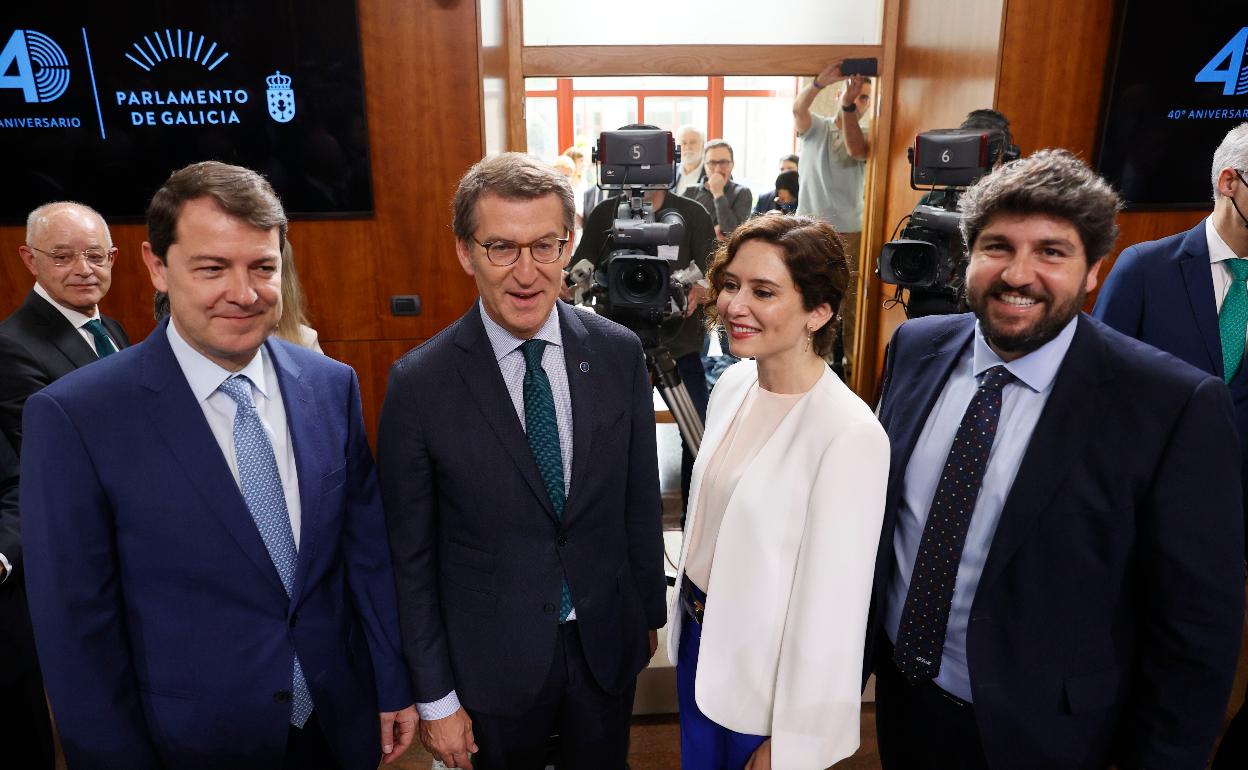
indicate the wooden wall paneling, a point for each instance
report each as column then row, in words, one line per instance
column 946, row 66
column 517, row 128
column 371, row 360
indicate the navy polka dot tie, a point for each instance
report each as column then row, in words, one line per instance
column 262, row 491
column 921, row 635
column 543, row 431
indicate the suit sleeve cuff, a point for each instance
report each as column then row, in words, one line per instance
column 8, row 568
column 439, row 709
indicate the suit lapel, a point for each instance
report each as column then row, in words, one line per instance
column 478, row 369
column 915, row 396
column 1063, row 428
column 308, row 439
column 1198, row 281
column 179, row 420
column 585, row 377
column 61, row 333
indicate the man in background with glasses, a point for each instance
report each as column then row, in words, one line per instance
column 58, row 329
column 518, row 468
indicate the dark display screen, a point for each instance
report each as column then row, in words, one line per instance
column 99, row 102
column 1179, row 83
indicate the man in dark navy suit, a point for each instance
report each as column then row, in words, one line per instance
column 57, row 329
column 519, row 474
column 209, row 577
column 1059, row 582
column 1186, row 295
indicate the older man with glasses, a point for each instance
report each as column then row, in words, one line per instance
column 57, row 329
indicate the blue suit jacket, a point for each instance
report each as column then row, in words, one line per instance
column 1107, row 621
column 479, row 554
column 166, row 636
column 1161, row 292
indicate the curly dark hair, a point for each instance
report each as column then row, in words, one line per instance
column 1052, row 182
column 814, row 254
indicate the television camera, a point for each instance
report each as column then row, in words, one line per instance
column 634, row 283
column 929, row 259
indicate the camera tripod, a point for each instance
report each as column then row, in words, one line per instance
column 663, row 371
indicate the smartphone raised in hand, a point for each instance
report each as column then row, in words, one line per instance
column 868, row 67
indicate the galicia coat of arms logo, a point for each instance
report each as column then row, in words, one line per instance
column 281, row 97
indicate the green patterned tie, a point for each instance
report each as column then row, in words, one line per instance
column 1233, row 319
column 543, row 431
column 104, row 345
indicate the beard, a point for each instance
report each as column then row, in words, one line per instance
column 1024, row 340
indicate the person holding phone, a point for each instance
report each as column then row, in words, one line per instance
column 833, row 171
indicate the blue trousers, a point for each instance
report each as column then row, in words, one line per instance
column 704, row 745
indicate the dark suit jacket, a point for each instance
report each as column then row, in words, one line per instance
column 37, row 346
column 1107, row 621
column 1161, row 292
column 169, row 636
column 17, row 645
column 479, row 555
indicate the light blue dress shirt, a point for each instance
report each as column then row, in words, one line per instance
column 511, row 364
column 1022, row 401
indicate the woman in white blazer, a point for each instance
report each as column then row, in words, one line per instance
column 787, row 501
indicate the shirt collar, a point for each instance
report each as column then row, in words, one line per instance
column 205, row 376
column 1218, row 250
column 1038, row 368
column 75, row 318
column 504, row 342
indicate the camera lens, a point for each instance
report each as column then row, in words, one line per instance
column 639, row 280
column 912, row 265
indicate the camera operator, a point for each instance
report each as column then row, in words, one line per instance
column 683, row 337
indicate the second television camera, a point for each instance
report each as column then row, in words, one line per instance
column 929, row 258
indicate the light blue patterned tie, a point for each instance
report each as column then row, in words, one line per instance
column 1233, row 318
column 262, row 491
column 543, row 430
column 104, row 345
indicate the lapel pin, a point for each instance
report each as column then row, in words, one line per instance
column 584, row 366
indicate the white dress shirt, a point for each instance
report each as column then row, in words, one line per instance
column 205, row 376
column 76, row 319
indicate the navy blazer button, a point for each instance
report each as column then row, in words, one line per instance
column 563, row 540
column 281, row 696
column 549, row 609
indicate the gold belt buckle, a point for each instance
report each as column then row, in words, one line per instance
column 699, row 609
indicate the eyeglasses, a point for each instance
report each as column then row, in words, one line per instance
column 504, row 253
column 719, row 162
column 62, row 258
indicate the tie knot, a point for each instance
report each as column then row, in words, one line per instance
column 239, row 389
column 532, row 350
column 94, row 326
column 995, row 378
column 1238, row 268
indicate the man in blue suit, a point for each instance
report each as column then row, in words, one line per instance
column 517, row 459
column 1186, row 295
column 1059, row 582
column 208, row 571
